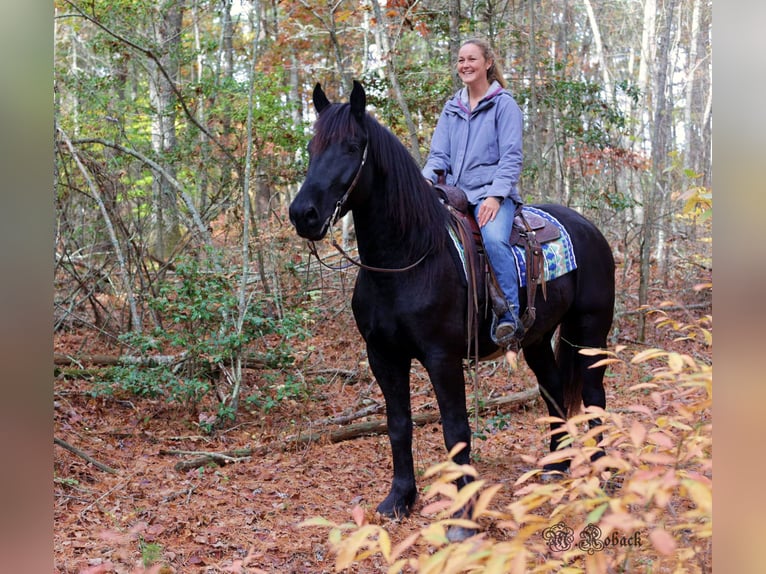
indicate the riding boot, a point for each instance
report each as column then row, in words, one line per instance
column 509, row 330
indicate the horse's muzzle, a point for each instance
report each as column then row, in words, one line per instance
column 307, row 221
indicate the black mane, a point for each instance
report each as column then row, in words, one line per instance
column 411, row 205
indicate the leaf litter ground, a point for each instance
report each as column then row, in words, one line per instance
column 244, row 516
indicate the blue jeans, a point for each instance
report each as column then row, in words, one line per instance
column 496, row 235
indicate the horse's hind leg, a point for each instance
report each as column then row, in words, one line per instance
column 541, row 359
column 587, row 331
column 392, row 371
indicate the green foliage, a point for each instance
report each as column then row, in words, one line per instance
column 198, row 306
column 150, row 552
column 582, row 112
column 646, row 505
column 281, row 387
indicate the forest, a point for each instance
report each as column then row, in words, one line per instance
column 214, row 408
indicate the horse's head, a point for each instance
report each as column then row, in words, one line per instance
column 337, row 155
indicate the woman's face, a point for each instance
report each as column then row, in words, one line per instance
column 472, row 66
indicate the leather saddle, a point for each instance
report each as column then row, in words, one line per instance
column 529, row 231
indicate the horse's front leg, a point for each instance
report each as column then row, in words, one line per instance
column 392, row 372
column 448, row 380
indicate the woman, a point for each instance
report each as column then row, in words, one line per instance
column 477, row 142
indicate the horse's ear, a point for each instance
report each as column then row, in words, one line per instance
column 320, row 99
column 358, row 101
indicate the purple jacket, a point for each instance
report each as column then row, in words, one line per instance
column 480, row 151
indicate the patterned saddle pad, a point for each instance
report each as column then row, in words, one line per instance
column 559, row 253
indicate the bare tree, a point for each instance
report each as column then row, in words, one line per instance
column 167, row 39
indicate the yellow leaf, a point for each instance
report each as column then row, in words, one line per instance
column 384, row 541
column 335, row 536
column 593, row 352
column 485, row 499
column 605, row 362
column 643, row 409
column 648, row 354
column 662, row 541
column 595, row 515
column 524, row 477
column 465, row 495
column 496, row 564
column 637, row 433
column 661, row 439
column 358, row 514
column 549, row 420
column 675, row 362
column 404, row 545
column 435, row 534
column 456, row 449
column 700, row 494
column 519, row 565
column 558, row 456
column 595, row 563
column 436, row 507
column 396, row 567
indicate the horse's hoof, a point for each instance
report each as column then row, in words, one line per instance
column 613, row 483
column 395, row 507
column 460, row 533
column 552, row 476
column 393, row 512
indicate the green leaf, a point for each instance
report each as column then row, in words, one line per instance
column 595, row 515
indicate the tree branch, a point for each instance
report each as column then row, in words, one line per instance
column 164, row 173
column 83, row 455
column 349, row 432
column 147, row 52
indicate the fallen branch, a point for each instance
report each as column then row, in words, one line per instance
column 84, row 455
column 349, row 432
column 60, row 359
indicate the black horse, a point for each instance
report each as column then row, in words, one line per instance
column 420, row 310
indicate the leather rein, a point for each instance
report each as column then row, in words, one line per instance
column 334, row 219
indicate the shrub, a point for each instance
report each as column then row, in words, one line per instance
column 645, row 506
column 199, row 317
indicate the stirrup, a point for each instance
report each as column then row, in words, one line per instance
column 508, row 334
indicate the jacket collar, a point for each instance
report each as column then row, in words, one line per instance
column 460, row 99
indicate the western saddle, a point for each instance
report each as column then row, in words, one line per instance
column 529, row 231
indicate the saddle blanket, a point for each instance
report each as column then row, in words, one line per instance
column 559, row 257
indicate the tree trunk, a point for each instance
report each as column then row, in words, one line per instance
column 388, row 57
column 653, row 196
column 596, row 31
column 163, row 100
column 454, row 40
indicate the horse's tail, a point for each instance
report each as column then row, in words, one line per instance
column 571, row 375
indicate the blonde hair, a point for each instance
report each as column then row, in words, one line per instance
column 495, row 71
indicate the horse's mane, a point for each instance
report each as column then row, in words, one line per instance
column 411, row 204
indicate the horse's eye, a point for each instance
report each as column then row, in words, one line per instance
column 353, row 147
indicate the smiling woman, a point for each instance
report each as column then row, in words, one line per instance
column 477, row 143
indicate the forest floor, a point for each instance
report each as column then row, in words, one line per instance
column 245, row 516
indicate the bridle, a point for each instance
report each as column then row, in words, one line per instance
column 342, row 201
column 334, row 219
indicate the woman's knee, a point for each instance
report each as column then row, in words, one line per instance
column 494, row 233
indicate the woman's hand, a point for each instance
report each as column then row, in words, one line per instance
column 488, row 210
